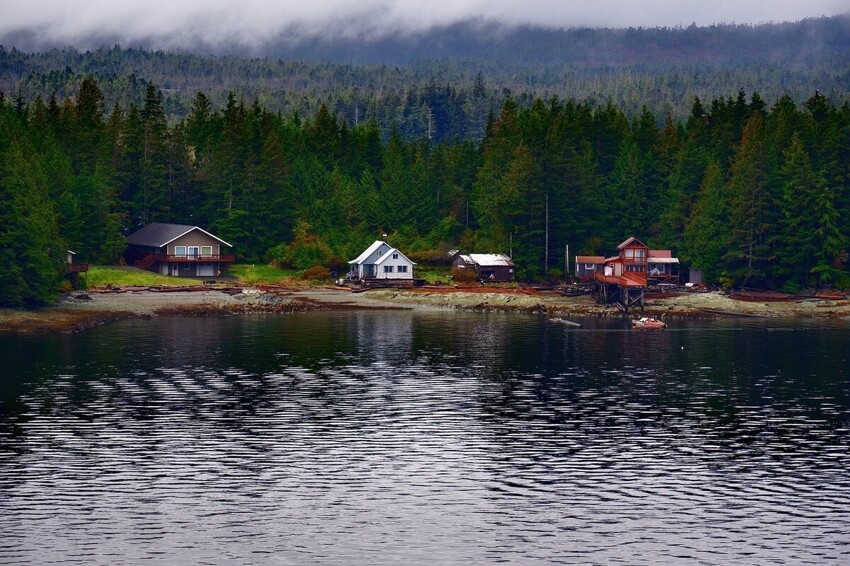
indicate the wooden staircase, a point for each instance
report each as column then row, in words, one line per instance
column 146, row 261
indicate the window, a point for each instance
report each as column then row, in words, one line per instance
column 630, row 253
column 180, row 250
column 402, row 269
column 395, row 256
column 590, row 266
column 206, row 250
column 187, row 266
column 193, row 251
column 632, row 267
column 639, row 254
column 388, row 269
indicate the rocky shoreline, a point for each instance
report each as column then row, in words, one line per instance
column 83, row 310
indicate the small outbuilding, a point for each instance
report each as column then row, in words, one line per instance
column 486, row 267
column 587, row 265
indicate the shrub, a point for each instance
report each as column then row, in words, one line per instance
column 464, row 275
column 316, row 272
column 304, row 252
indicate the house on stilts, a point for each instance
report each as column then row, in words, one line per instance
column 622, row 281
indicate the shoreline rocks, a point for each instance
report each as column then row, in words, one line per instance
column 84, row 310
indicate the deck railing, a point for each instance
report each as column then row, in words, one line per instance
column 150, row 259
column 202, row 258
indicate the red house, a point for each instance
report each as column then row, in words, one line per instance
column 623, row 279
column 630, row 264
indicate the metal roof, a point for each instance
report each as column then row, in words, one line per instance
column 488, row 260
column 661, row 256
column 369, row 251
column 158, row 234
column 662, row 260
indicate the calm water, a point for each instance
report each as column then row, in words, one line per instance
column 444, row 438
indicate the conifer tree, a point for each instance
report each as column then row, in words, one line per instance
column 30, row 246
column 750, row 228
column 812, row 238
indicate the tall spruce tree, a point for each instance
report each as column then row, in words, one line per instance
column 750, row 226
column 30, row 245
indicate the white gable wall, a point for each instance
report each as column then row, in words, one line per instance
column 394, row 266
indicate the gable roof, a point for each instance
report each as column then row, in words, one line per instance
column 369, row 251
column 391, row 251
column 158, row 234
column 590, row 259
column 630, row 241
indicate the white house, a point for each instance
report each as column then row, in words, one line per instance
column 381, row 261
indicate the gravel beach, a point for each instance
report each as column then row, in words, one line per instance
column 82, row 310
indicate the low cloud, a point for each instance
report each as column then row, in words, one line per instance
column 252, row 23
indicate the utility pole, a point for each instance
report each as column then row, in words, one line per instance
column 567, row 262
column 546, row 246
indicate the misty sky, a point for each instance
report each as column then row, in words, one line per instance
column 175, row 23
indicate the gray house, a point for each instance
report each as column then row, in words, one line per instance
column 177, row 249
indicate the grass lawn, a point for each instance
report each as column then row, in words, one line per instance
column 102, row 275
column 246, row 274
column 432, row 274
column 256, row 274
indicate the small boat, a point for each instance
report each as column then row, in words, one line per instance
column 648, row 323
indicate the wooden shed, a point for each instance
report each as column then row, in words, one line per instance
column 486, row 267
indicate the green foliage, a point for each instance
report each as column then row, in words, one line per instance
column 829, row 276
column 31, row 251
column 750, row 194
column 305, row 251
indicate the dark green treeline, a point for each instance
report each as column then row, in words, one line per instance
column 752, row 194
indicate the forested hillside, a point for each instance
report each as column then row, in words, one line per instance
column 443, row 84
column 753, row 193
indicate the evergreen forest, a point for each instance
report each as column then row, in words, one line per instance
column 442, row 83
column 754, row 193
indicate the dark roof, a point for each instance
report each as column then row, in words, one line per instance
column 157, row 234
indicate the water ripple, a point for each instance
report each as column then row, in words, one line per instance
column 387, row 438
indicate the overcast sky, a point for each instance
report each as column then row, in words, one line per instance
column 172, row 23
